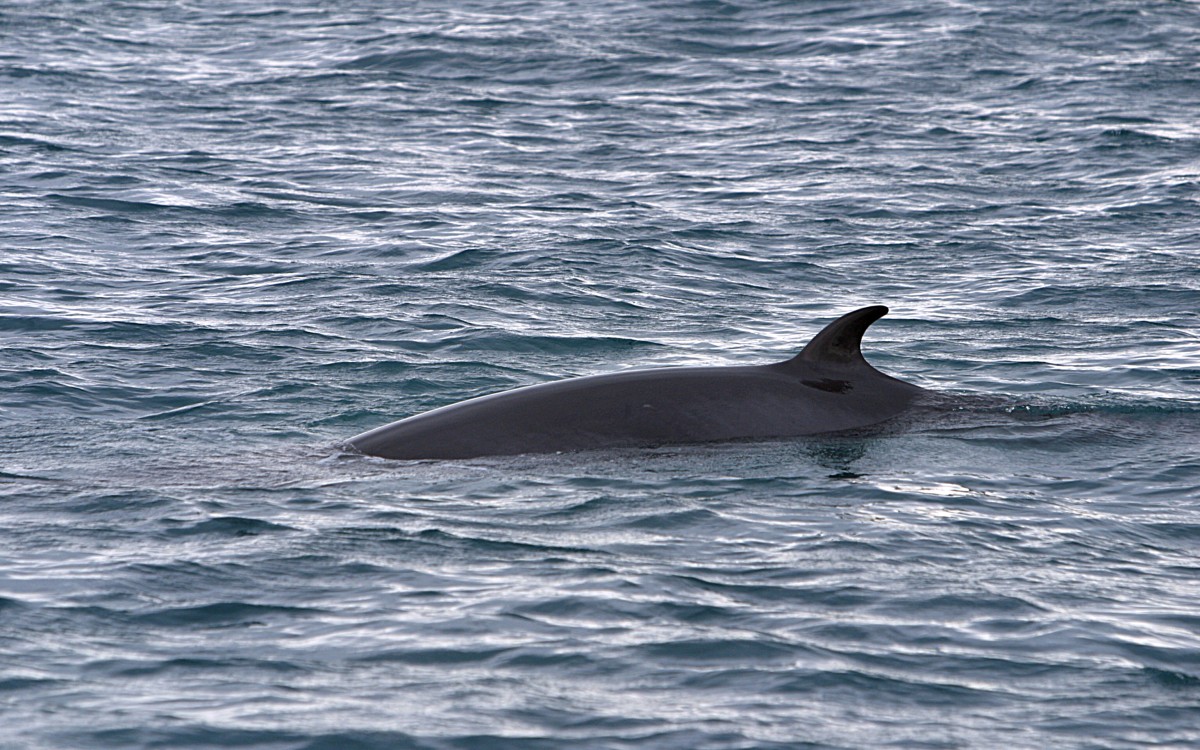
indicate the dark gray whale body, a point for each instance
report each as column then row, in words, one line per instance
column 827, row 387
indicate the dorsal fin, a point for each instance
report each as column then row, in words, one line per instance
column 840, row 341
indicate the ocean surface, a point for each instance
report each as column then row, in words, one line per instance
column 234, row 234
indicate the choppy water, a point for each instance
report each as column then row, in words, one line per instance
column 235, row 233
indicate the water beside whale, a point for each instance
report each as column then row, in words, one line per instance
column 827, row 387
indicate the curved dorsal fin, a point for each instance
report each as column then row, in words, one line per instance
column 839, row 342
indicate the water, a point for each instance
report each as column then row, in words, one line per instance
column 234, row 234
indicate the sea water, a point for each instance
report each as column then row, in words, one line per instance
column 234, row 234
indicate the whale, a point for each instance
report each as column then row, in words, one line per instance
column 828, row 387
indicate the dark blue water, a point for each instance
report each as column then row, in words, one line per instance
column 233, row 234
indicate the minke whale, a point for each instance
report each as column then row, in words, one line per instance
column 827, row 387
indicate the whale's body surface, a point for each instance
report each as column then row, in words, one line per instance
column 828, row 387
